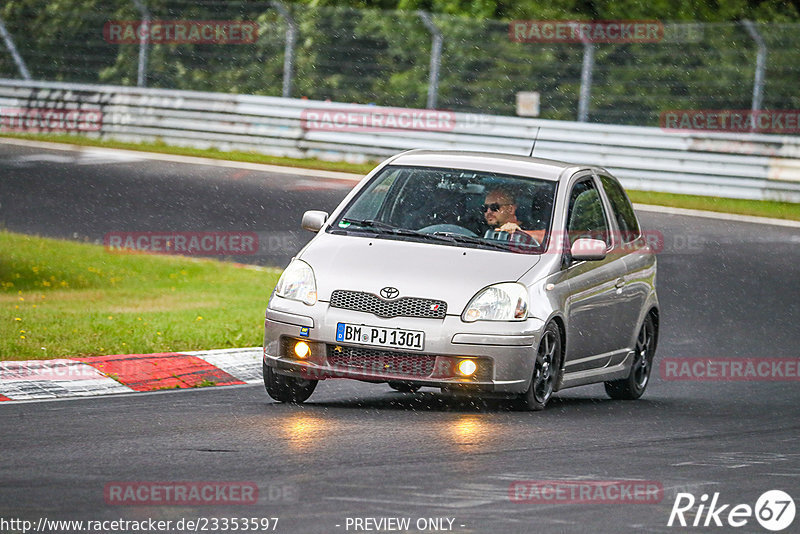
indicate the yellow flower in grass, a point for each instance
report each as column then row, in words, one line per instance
column 199, row 318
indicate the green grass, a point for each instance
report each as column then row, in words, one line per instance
column 779, row 210
column 62, row 299
column 760, row 208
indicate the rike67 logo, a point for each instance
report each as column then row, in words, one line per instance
column 774, row 510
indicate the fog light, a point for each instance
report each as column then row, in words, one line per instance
column 301, row 349
column 467, row 367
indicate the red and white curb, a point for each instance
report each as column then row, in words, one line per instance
column 127, row 373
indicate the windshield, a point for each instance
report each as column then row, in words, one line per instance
column 453, row 207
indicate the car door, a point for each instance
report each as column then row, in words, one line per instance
column 592, row 306
column 639, row 277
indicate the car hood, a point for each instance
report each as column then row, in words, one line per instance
column 442, row 272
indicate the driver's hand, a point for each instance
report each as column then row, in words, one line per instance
column 509, row 227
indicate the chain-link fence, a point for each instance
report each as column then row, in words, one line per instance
column 408, row 59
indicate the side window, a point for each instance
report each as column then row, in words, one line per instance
column 622, row 208
column 586, row 217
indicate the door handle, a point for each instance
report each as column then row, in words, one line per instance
column 620, row 283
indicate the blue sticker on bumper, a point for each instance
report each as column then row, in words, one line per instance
column 304, row 331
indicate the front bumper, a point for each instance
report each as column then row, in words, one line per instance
column 503, row 351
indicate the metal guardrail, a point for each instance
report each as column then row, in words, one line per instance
column 753, row 166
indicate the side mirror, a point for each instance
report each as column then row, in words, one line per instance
column 313, row 220
column 585, row 249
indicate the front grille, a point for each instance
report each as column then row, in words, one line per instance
column 402, row 307
column 371, row 361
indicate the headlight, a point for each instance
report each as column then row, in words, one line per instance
column 501, row 302
column 297, row 283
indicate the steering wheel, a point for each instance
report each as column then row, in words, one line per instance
column 497, row 235
column 521, row 238
column 524, row 238
column 451, row 228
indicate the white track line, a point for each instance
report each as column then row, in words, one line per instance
column 192, row 160
column 717, row 215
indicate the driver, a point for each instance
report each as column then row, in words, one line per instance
column 500, row 212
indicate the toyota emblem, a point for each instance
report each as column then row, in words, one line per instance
column 389, row 292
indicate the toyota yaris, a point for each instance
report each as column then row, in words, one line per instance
column 476, row 273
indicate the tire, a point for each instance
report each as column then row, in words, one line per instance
column 404, row 387
column 633, row 386
column 287, row 388
column 545, row 371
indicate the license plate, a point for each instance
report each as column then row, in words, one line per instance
column 379, row 336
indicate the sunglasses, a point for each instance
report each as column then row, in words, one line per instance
column 494, row 206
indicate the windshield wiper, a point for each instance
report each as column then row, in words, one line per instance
column 369, row 223
column 382, row 227
column 396, row 230
column 461, row 238
column 449, row 237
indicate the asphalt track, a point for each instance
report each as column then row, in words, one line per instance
column 356, row 450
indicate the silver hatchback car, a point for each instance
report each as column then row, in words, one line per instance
column 477, row 273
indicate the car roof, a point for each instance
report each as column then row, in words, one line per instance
column 546, row 169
